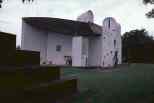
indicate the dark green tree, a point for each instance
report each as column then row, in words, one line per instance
column 1, row 3
column 133, row 38
column 27, row 0
column 23, row 1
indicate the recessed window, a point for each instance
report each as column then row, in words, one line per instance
column 111, row 52
column 114, row 43
column 109, row 24
column 58, row 48
column 113, row 29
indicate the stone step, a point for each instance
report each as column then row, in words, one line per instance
column 52, row 91
column 26, row 58
column 14, row 79
column 43, row 93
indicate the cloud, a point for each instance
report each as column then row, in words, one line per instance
column 130, row 14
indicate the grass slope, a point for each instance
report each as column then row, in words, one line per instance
column 133, row 84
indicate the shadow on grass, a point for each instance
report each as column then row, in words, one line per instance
column 133, row 84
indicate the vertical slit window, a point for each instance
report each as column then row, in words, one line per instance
column 114, row 43
column 58, row 48
column 109, row 24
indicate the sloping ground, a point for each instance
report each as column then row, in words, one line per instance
column 131, row 84
column 38, row 84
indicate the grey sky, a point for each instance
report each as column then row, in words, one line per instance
column 130, row 14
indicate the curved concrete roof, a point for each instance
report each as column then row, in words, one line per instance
column 65, row 26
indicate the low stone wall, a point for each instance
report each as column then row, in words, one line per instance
column 14, row 78
column 7, row 48
column 27, row 58
column 49, row 93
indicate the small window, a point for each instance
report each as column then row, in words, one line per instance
column 114, row 43
column 58, row 48
column 103, row 63
column 109, row 24
column 113, row 29
column 111, row 52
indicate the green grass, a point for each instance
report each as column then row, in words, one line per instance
column 133, row 84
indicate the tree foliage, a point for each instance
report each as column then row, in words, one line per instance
column 150, row 14
column 133, row 38
column 136, row 37
column 23, row 1
column 1, row 3
column 27, row 0
column 148, row 1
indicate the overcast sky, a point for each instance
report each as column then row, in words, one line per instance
column 130, row 14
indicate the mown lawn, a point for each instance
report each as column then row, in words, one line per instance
column 132, row 84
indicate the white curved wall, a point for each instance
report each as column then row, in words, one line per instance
column 111, row 34
column 95, row 51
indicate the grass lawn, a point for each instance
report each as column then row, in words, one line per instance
column 132, row 84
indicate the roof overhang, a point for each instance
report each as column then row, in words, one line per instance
column 64, row 26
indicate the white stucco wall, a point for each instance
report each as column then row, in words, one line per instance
column 77, row 51
column 65, row 41
column 119, row 42
column 95, row 51
column 34, row 39
column 45, row 42
column 85, row 51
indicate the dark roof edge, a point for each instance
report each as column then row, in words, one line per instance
column 1, row 32
column 24, row 18
column 96, row 29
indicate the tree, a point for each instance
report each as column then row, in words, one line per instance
column 148, row 1
column 1, row 3
column 23, row 1
column 136, row 37
column 133, row 38
column 27, row 0
column 150, row 14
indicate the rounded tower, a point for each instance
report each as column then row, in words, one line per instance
column 88, row 16
column 111, row 42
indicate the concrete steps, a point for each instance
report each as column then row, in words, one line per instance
column 49, row 92
column 16, row 78
column 52, row 91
